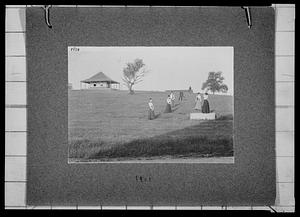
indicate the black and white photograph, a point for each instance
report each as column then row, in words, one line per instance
column 149, row 107
column 150, row 104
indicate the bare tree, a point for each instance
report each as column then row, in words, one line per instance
column 133, row 74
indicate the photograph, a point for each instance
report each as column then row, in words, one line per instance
column 150, row 104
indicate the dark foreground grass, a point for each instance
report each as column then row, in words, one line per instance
column 84, row 148
column 154, row 147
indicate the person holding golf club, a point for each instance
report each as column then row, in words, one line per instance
column 151, row 114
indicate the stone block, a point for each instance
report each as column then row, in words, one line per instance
column 203, row 116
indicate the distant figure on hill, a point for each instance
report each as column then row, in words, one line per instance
column 180, row 96
column 190, row 89
column 151, row 114
column 172, row 96
column 198, row 102
column 205, row 106
column 168, row 107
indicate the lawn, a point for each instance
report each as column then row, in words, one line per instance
column 106, row 125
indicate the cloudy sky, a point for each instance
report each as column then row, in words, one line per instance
column 169, row 67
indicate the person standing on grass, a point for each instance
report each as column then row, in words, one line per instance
column 168, row 107
column 198, row 102
column 180, row 96
column 172, row 96
column 205, row 106
column 151, row 114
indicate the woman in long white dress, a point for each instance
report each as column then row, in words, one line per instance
column 151, row 114
column 172, row 96
column 168, row 107
column 198, row 101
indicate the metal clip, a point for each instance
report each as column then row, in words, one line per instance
column 248, row 16
column 46, row 9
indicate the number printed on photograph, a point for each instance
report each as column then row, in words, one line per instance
column 150, row 104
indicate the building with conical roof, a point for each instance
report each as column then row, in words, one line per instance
column 99, row 81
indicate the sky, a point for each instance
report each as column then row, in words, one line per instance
column 169, row 67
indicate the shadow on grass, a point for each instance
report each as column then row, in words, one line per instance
column 157, row 115
column 225, row 117
column 186, row 141
column 174, row 109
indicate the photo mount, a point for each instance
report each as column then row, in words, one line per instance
column 250, row 180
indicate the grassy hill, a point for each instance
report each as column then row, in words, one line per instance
column 113, row 124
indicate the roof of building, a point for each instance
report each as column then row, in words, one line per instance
column 99, row 77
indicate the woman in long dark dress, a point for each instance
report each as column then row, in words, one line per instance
column 180, row 96
column 151, row 114
column 205, row 106
column 168, row 107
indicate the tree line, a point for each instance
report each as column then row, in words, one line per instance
column 134, row 73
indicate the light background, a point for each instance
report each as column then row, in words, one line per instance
column 174, row 68
column 15, row 117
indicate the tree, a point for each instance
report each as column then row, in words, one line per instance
column 133, row 74
column 214, row 83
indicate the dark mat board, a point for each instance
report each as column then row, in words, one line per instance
column 249, row 181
